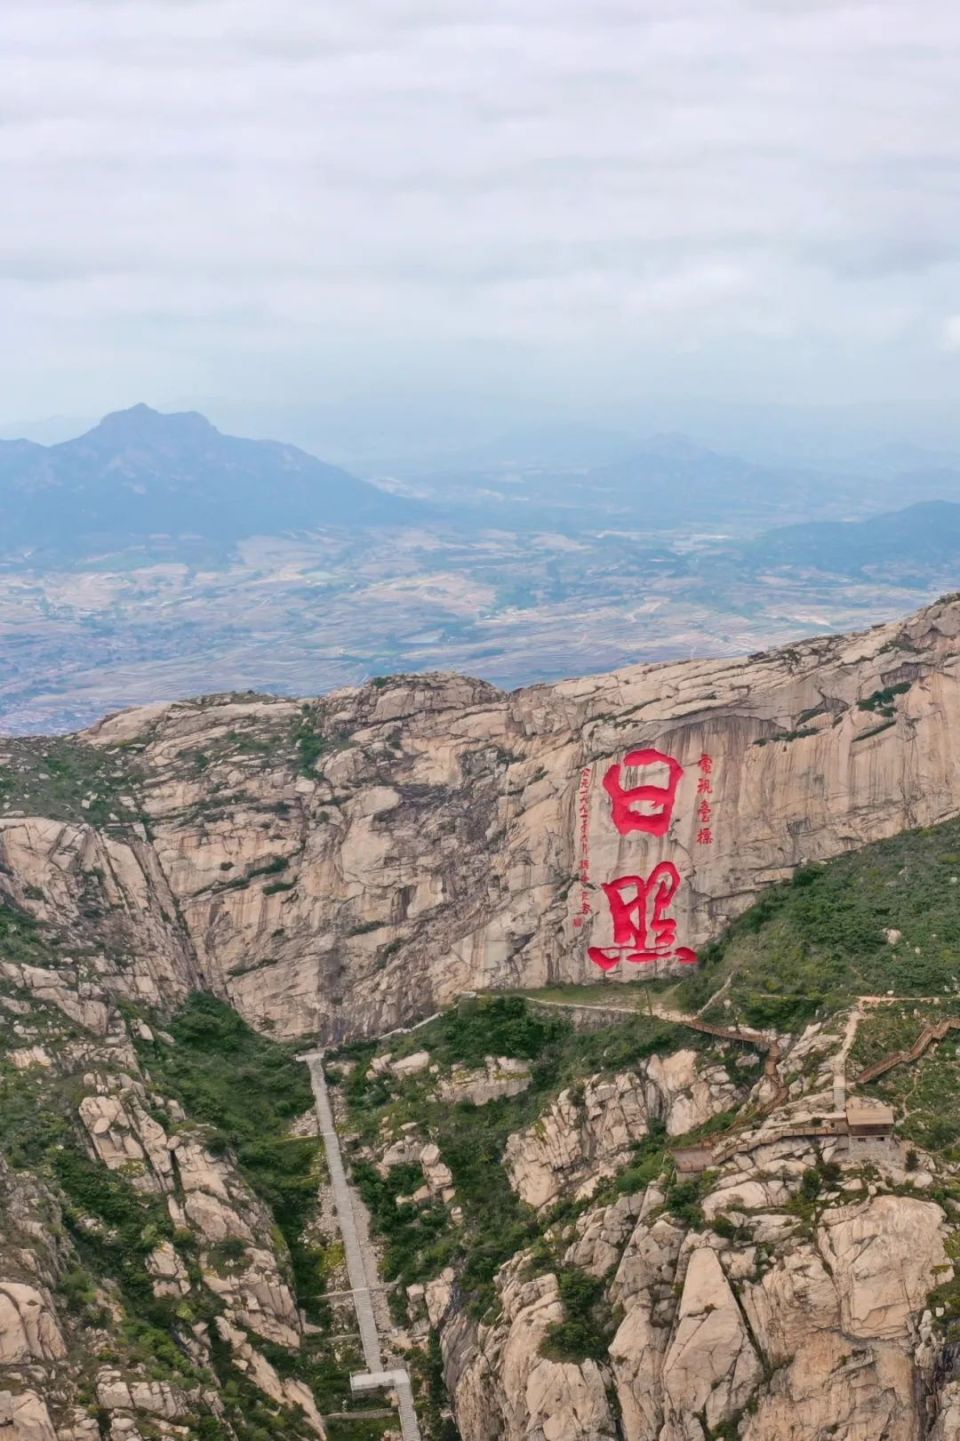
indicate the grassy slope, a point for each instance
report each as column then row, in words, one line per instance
column 809, row 945
column 420, row 1239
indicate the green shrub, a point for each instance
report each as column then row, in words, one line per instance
column 494, row 1026
column 683, row 1199
column 808, row 945
column 586, row 1330
column 249, row 1089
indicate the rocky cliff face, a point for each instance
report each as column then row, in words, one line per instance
column 590, row 1133
column 340, row 865
column 140, row 1274
column 788, row 1293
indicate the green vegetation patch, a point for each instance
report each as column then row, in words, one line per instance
column 421, row 1239
column 924, row 1093
column 67, row 779
column 249, row 1089
column 811, row 944
column 588, row 1326
column 883, row 702
column 25, row 940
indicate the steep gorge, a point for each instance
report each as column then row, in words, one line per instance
column 340, row 867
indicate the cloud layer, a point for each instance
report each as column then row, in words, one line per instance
column 590, row 198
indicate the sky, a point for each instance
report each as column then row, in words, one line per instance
column 374, row 218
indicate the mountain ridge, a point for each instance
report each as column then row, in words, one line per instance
column 917, row 537
column 309, row 816
column 140, row 473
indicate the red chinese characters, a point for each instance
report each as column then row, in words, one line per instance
column 643, row 789
column 705, row 808
column 583, row 811
column 643, row 929
column 647, row 807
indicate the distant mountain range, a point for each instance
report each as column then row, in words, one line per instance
column 919, row 539
column 175, row 486
column 525, row 570
column 141, row 474
column 664, row 483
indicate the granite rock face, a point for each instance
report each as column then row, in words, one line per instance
column 587, row 1134
column 507, row 1390
column 342, row 866
column 775, row 1337
column 69, row 1359
column 345, row 866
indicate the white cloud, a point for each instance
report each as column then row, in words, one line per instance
column 329, row 183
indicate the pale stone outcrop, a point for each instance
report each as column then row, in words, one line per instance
column 508, row 1391
column 885, row 1256
column 115, row 1392
column 29, row 1330
column 288, row 1391
column 795, row 1301
column 711, row 1366
column 748, row 1194
column 500, row 1076
column 947, row 1424
column 80, row 1426
column 24, row 1417
column 125, row 1137
column 863, row 1395
column 52, row 869
column 644, row 1285
column 411, row 1065
column 602, row 1234
column 170, row 1273
column 436, row 1172
column 81, row 1002
column 26, row 1057
column 685, row 1092
column 590, row 1131
column 582, row 1137
column 257, row 1295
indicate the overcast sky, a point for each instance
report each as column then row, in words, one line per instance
column 401, row 208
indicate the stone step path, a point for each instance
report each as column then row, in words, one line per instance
column 361, row 1263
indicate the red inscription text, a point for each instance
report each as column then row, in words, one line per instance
column 658, row 800
column 643, row 929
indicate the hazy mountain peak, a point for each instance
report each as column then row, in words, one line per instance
column 143, row 473
column 141, row 424
column 673, row 445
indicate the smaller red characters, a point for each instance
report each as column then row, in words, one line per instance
column 704, row 786
column 705, row 763
column 704, row 811
column 705, row 836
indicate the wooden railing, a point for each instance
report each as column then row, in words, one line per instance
column 936, row 1032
